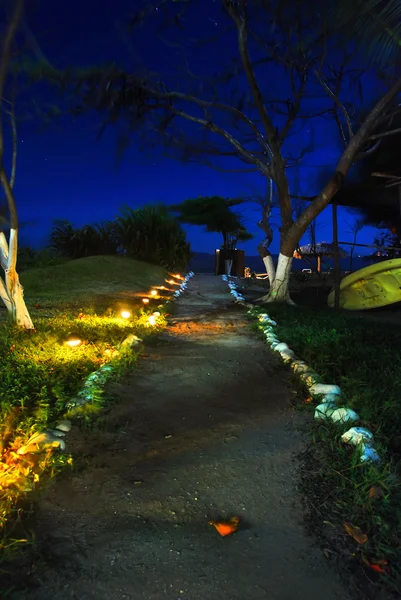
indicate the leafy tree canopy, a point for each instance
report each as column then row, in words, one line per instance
column 215, row 214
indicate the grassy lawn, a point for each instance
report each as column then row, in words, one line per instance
column 39, row 373
column 364, row 358
column 96, row 282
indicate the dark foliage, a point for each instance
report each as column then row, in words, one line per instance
column 150, row 234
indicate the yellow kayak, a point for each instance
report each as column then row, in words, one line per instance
column 372, row 287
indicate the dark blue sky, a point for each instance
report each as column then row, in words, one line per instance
column 65, row 172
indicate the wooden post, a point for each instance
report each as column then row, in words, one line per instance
column 337, row 267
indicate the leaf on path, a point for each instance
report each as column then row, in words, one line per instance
column 356, row 533
column 226, row 527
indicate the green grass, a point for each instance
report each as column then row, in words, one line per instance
column 96, row 281
column 39, row 373
column 364, row 358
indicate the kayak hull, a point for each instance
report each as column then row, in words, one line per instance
column 371, row 287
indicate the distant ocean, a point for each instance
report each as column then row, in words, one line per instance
column 204, row 263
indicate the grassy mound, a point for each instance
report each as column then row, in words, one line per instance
column 39, row 373
column 96, row 279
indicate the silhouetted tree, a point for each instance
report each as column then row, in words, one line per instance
column 216, row 215
column 238, row 113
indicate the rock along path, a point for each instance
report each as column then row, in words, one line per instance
column 203, row 429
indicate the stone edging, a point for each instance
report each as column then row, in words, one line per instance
column 328, row 395
column 91, row 388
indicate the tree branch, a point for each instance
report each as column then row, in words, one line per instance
column 241, row 22
column 225, row 107
column 4, row 63
column 378, row 136
column 339, row 105
column 216, row 129
column 346, row 160
column 11, row 114
column 294, row 109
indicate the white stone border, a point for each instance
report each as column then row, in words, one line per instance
column 328, row 395
column 93, row 386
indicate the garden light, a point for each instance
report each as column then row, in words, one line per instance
column 73, row 340
column 153, row 293
column 125, row 314
column 145, row 300
column 152, row 320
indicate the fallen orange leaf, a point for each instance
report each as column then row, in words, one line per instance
column 226, row 527
column 356, row 533
column 379, row 565
column 375, row 492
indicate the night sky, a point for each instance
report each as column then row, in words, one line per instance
column 66, row 172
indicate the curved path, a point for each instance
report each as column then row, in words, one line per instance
column 203, row 429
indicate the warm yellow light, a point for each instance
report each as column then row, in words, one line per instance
column 153, row 293
column 152, row 320
column 145, row 300
column 125, row 314
column 156, row 314
column 73, row 341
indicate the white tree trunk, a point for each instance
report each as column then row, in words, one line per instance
column 269, row 266
column 229, row 266
column 279, row 289
column 11, row 290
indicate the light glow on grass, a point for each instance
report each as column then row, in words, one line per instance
column 73, row 340
column 126, row 314
column 76, row 333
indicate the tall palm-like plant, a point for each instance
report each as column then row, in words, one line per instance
column 375, row 24
column 89, row 240
column 151, row 234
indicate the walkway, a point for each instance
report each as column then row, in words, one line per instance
column 204, row 428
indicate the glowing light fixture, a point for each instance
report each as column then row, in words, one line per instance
column 125, row 314
column 73, row 340
column 152, row 320
column 145, row 300
column 153, row 293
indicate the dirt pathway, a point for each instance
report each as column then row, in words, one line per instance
column 203, row 429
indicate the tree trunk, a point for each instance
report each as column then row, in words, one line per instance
column 269, row 265
column 263, row 247
column 279, row 287
column 279, row 290
column 229, row 265
column 11, row 290
column 17, row 308
column 337, row 266
column 351, row 257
